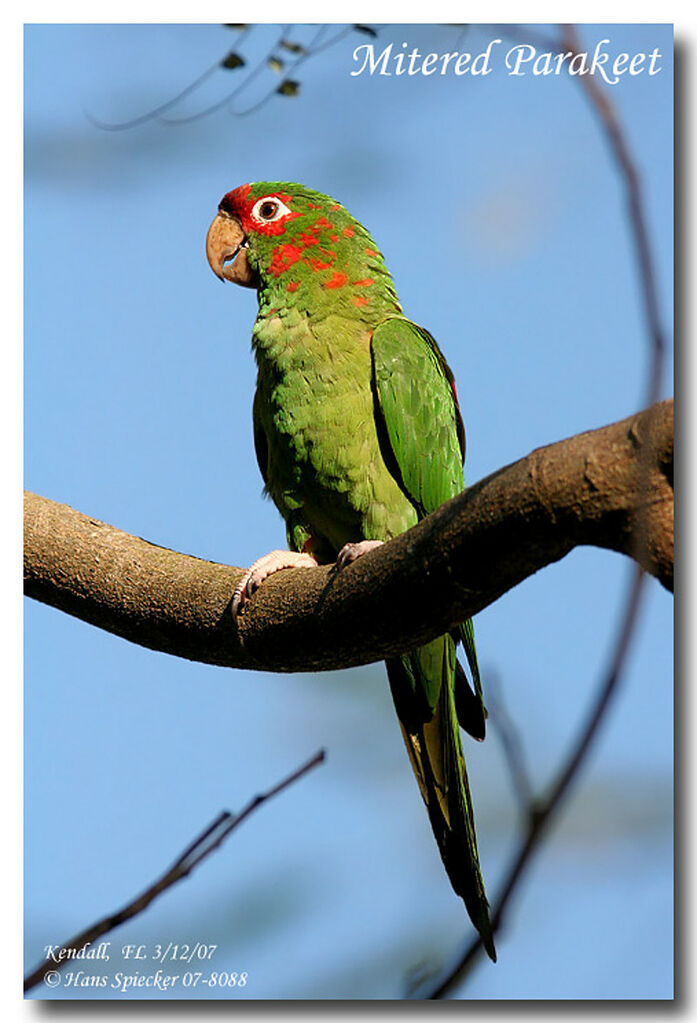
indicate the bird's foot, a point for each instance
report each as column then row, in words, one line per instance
column 262, row 568
column 351, row 551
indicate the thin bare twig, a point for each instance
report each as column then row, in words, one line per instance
column 157, row 112
column 637, row 218
column 227, row 100
column 317, row 45
column 233, row 94
column 209, row 840
column 543, row 812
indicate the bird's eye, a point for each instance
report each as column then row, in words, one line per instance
column 269, row 209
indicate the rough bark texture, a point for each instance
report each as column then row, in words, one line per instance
column 610, row 488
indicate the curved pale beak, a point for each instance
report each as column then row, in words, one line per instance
column 226, row 250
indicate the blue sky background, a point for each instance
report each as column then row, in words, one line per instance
column 502, row 219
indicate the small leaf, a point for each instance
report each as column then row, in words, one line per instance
column 367, row 30
column 238, row 27
column 289, row 88
column 293, row 47
column 232, row 60
column 276, row 64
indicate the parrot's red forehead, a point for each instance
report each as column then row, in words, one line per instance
column 236, row 200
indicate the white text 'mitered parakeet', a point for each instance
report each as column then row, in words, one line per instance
column 358, row 435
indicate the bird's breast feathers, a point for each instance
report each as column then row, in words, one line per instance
column 315, row 405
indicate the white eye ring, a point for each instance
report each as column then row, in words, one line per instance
column 269, row 209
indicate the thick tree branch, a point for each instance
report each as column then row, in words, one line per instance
column 585, row 490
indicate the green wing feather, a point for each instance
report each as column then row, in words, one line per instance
column 416, row 398
column 423, row 443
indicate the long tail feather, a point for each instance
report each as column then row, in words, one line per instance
column 425, row 704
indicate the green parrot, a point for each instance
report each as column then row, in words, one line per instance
column 358, row 436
